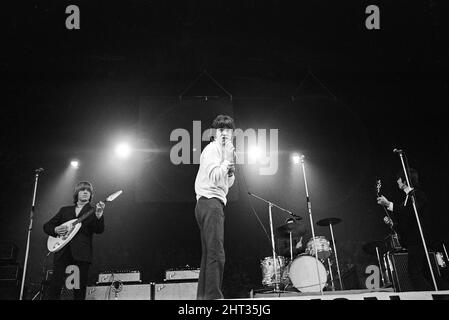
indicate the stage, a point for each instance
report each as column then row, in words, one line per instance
column 380, row 294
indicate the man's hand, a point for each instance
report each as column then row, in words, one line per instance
column 388, row 221
column 61, row 230
column 99, row 209
column 383, row 201
column 231, row 169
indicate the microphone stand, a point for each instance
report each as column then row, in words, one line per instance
column 30, row 227
column 270, row 205
column 417, row 220
column 309, row 207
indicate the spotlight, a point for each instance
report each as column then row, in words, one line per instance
column 75, row 164
column 296, row 158
column 123, row 150
column 254, row 153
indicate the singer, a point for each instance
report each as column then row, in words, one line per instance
column 214, row 178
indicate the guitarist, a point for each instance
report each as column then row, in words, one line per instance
column 405, row 220
column 79, row 250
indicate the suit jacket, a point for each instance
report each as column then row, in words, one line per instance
column 81, row 244
column 405, row 220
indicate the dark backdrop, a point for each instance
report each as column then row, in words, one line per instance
column 342, row 95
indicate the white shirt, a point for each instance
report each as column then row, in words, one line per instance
column 212, row 180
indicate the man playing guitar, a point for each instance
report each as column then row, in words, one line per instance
column 79, row 251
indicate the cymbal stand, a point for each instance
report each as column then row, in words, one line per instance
column 445, row 251
column 329, row 263
column 380, row 266
column 276, row 268
column 336, row 256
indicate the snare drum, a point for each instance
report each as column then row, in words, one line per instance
column 304, row 275
column 322, row 245
column 268, row 271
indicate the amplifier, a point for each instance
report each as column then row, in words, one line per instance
column 8, row 252
column 397, row 263
column 122, row 276
column 175, row 291
column 182, row 274
column 119, row 292
column 10, row 274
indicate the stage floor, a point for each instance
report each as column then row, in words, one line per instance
column 379, row 294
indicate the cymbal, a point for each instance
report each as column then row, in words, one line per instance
column 370, row 247
column 328, row 221
column 294, row 228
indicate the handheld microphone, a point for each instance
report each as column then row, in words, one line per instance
column 397, row 151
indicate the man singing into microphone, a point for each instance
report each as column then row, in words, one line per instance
column 215, row 177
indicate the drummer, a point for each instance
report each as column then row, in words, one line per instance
column 299, row 238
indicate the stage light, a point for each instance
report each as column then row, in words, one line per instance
column 254, row 154
column 123, row 150
column 75, row 164
column 296, row 158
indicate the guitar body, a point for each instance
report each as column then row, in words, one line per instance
column 54, row 244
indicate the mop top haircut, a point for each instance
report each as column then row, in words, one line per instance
column 412, row 175
column 223, row 122
column 81, row 186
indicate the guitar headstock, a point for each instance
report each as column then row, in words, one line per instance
column 114, row 195
column 378, row 186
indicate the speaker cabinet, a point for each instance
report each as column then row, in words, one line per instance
column 175, row 291
column 398, row 270
column 119, row 292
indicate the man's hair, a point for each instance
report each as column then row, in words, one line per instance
column 412, row 175
column 83, row 185
column 223, row 122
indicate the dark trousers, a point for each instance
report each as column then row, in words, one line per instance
column 59, row 276
column 210, row 217
column 418, row 269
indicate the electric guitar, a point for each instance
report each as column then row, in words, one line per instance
column 395, row 235
column 54, row 244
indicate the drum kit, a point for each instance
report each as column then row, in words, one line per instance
column 303, row 270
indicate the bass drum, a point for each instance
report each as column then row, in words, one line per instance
column 304, row 275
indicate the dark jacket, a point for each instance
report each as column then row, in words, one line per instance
column 405, row 219
column 81, row 244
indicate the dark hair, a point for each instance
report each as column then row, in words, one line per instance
column 223, row 122
column 412, row 175
column 80, row 186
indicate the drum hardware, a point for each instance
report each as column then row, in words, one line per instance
column 329, row 222
column 275, row 260
column 329, row 264
column 445, row 251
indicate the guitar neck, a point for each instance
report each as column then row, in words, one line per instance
column 85, row 216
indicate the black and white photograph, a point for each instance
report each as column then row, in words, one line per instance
column 225, row 155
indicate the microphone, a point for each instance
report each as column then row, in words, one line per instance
column 39, row 170
column 397, row 150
